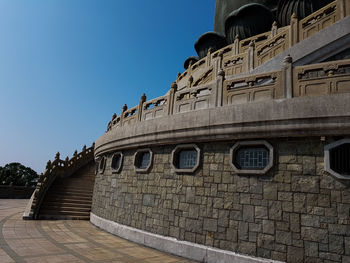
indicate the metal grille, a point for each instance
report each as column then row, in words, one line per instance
column 187, row 159
column 116, row 161
column 340, row 159
column 144, row 160
column 252, row 158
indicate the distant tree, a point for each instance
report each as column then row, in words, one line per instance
column 17, row 174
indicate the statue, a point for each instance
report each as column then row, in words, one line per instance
column 224, row 8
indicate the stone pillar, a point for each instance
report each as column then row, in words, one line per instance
column 293, row 30
column 274, row 29
column 220, row 88
column 171, row 98
column 236, row 46
column 124, row 109
column 251, row 56
column 287, row 77
column 140, row 107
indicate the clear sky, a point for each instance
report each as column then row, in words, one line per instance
column 67, row 65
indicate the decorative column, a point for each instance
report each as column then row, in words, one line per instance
column 171, row 98
column 140, row 107
column 287, row 77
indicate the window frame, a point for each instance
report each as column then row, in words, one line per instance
column 121, row 162
column 256, row 143
column 174, row 158
column 102, row 161
column 327, row 164
column 136, row 156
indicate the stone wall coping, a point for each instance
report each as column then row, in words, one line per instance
column 174, row 246
column 298, row 117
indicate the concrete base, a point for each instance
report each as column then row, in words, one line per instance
column 171, row 245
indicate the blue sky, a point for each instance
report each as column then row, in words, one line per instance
column 67, row 65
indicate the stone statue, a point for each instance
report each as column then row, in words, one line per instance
column 224, row 7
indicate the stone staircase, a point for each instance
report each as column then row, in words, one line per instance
column 71, row 197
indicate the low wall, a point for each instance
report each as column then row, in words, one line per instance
column 15, row 192
column 295, row 212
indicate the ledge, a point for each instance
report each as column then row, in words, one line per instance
column 172, row 245
column 296, row 117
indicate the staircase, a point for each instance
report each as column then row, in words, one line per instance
column 70, row 197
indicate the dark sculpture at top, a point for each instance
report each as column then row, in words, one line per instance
column 224, row 8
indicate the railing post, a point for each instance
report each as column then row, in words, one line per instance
column 208, row 58
column 294, row 30
column 251, row 58
column 274, row 29
column 171, row 98
column 236, row 46
column 220, row 88
column 342, row 8
column 124, row 109
column 287, row 77
column 140, row 107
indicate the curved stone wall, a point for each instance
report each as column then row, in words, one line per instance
column 294, row 212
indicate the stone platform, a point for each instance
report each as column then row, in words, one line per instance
column 65, row 241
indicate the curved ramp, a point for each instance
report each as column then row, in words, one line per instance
column 64, row 190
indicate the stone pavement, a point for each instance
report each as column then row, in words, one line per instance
column 66, row 241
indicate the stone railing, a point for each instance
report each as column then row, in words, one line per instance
column 57, row 168
column 218, row 79
column 323, row 78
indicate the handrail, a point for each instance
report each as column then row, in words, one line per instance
column 58, row 168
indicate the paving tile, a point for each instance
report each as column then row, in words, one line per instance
column 70, row 241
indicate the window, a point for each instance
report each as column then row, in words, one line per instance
column 102, row 164
column 185, row 158
column 117, row 162
column 251, row 157
column 143, row 160
column 337, row 159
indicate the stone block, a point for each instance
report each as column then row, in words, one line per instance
column 314, row 234
column 309, row 165
column 248, row 213
column 275, row 210
column 148, row 200
column 243, row 231
column 270, row 191
column 261, row 212
column 336, row 244
column 266, row 241
column 287, row 159
column 192, row 225
column 310, row 220
column 210, row 224
column 311, row 249
column 295, row 254
column 268, row 227
column 284, row 237
column 297, row 168
column 248, row 248
column 307, row 184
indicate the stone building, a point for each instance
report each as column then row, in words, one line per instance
column 246, row 157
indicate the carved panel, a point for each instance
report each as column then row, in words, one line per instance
column 317, row 21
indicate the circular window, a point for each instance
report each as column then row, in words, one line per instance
column 143, row 160
column 101, row 165
column 251, row 157
column 337, row 158
column 117, row 161
column 185, row 158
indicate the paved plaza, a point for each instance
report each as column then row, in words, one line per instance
column 65, row 241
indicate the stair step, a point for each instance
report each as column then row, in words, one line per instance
column 64, row 217
column 69, row 194
column 66, row 203
column 66, row 199
column 65, row 209
column 65, row 212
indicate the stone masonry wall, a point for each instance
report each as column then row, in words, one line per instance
column 295, row 213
